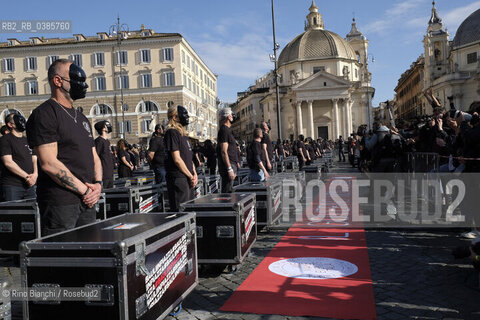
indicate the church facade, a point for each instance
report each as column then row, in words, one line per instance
column 324, row 84
column 452, row 68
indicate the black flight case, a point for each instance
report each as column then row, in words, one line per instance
column 269, row 200
column 242, row 176
column 141, row 265
column 291, row 164
column 132, row 199
column 226, row 226
column 19, row 221
column 211, row 183
column 198, row 191
column 313, row 171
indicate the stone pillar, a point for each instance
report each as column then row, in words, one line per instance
column 310, row 121
column 299, row 118
column 349, row 116
column 336, row 120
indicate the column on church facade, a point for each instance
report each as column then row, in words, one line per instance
column 336, row 120
column 299, row 118
column 349, row 116
column 310, row 121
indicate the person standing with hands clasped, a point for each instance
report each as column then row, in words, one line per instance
column 227, row 150
column 19, row 166
column 70, row 172
column 102, row 145
column 181, row 174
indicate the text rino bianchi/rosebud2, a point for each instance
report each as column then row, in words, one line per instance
column 165, row 272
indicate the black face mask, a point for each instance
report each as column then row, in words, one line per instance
column 183, row 116
column 234, row 116
column 78, row 86
column 109, row 127
column 20, row 122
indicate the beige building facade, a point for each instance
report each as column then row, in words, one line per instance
column 147, row 70
column 324, row 83
column 452, row 68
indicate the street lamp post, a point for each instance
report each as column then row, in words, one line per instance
column 275, row 75
column 120, row 30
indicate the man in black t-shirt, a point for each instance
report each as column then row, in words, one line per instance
column 70, row 172
column 256, row 158
column 302, row 153
column 341, row 154
column 267, row 146
column 19, row 166
column 228, row 161
column 102, row 145
column 156, row 154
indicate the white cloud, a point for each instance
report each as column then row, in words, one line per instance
column 393, row 17
column 456, row 16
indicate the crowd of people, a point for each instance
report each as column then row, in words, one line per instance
column 60, row 162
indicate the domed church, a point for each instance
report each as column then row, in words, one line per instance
column 452, row 68
column 324, row 83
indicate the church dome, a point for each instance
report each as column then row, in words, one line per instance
column 469, row 31
column 315, row 44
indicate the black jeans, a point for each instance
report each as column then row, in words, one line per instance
column 227, row 184
column 179, row 191
column 341, row 155
column 56, row 219
column 11, row 193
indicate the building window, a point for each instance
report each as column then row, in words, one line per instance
column 121, row 58
column 50, row 60
column 122, row 82
column 188, row 62
column 472, row 57
column 146, row 125
column 167, row 54
column 125, row 127
column 100, row 83
column 31, row 63
column 183, row 56
column 10, row 89
column 102, row 109
column 98, row 59
column 77, row 59
column 189, row 84
column 144, row 55
column 148, row 106
column 146, row 80
column 32, row 87
column 184, row 80
column 8, row 65
column 169, row 79
column 317, row 69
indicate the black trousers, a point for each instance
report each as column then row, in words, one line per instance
column 179, row 191
column 56, row 219
column 341, row 155
column 227, row 184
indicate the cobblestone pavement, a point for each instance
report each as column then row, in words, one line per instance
column 414, row 277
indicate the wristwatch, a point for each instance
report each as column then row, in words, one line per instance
column 98, row 181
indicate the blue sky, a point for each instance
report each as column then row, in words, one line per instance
column 234, row 37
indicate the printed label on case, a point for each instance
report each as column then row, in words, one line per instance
column 165, row 272
column 249, row 222
column 148, row 204
column 123, row 226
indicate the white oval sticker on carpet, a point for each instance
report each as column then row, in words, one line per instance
column 313, row 268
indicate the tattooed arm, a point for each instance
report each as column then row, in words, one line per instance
column 47, row 155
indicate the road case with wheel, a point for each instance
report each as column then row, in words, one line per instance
column 211, row 183
column 133, row 266
column 19, row 221
column 269, row 200
column 226, row 226
column 133, row 199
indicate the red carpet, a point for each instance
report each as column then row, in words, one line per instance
column 327, row 275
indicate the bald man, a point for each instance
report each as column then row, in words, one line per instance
column 70, row 173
